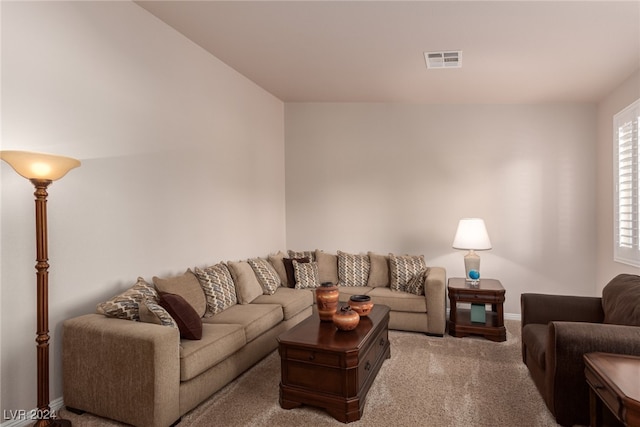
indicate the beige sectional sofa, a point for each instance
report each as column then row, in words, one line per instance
column 146, row 362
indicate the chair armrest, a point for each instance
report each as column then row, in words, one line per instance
column 435, row 291
column 542, row 308
column 566, row 345
column 120, row 369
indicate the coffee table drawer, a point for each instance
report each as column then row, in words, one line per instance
column 315, row 357
column 606, row 395
column 368, row 361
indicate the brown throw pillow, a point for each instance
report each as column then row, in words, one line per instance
column 288, row 266
column 189, row 323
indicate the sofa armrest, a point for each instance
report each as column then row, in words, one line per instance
column 435, row 291
column 120, row 369
column 542, row 308
column 567, row 343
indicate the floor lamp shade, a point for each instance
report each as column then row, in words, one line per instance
column 472, row 235
column 41, row 170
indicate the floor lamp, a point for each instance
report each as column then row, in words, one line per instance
column 41, row 170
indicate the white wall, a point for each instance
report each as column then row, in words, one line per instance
column 397, row 178
column 621, row 97
column 182, row 165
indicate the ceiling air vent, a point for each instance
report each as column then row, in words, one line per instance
column 450, row 59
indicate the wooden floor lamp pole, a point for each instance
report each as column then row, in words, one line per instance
column 44, row 412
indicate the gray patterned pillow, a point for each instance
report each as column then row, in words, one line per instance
column 218, row 287
column 353, row 270
column 306, row 274
column 416, row 283
column 403, row 268
column 302, row 254
column 266, row 274
column 125, row 305
column 152, row 312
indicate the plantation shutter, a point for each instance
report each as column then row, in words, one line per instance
column 627, row 188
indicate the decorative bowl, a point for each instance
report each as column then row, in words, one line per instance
column 361, row 304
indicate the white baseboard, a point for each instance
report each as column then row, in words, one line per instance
column 23, row 418
column 507, row 316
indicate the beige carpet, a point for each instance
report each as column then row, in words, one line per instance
column 428, row 381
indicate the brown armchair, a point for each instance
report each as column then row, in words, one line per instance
column 557, row 330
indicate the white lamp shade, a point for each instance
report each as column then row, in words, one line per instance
column 38, row 165
column 472, row 235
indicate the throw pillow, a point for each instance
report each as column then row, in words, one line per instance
column 306, row 274
column 125, row 305
column 188, row 321
column 302, row 254
column 247, row 286
column 276, row 260
column 266, row 274
column 288, row 265
column 416, row 283
column 187, row 286
column 327, row 267
column 152, row 312
column 353, row 270
column 402, row 268
column 218, row 287
column 379, row 272
column 621, row 300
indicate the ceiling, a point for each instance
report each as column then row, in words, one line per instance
column 373, row 51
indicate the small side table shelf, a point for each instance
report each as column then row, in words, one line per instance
column 488, row 291
column 614, row 381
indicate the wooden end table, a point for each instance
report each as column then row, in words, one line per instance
column 332, row 369
column 614, row 379
column 488, row 291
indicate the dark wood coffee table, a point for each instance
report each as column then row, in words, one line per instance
column 332, row 369
column 614, row 380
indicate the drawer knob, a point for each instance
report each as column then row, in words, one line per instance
column 381, row 342
column 367, row 366
column 312, row 356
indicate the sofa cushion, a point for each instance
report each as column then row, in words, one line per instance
column 266, row 274
column 276, row 260
column 293, row 301
column 353, row 270
column 125, row 305
column 379, row 271
column 399, row 301
column 152, row 312
column 402, row 268
column 534, row 337
column 255, row 318
column 247, row 286
column 327, row 267
column 218, row 287
column 218, row 342
column 306, row 274
column 288, row 266
column 187, row 286
column 621, row 300
column 188, row 321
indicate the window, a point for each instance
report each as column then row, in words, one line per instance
column 627, row 185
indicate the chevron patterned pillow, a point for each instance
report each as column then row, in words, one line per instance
column 218, row 287
column 353, row 270
column 404, row 268
column 125, row 305
column 266, row 274
column 306, row 274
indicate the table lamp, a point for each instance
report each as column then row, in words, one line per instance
column 472, row 235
